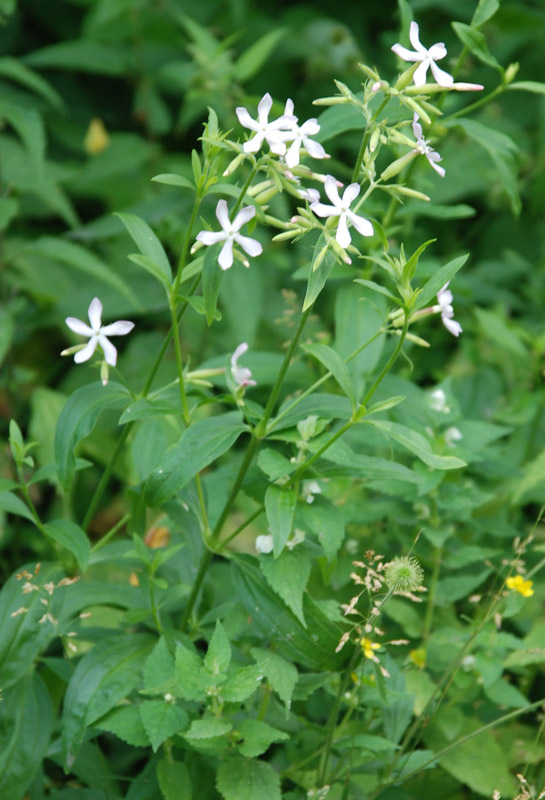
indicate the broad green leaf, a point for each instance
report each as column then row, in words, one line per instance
column 8, row 211
column 251, row 61
column 280, row 508
column 208, row 727
column 417, row 444
column 438, row 280
column 191, row 679
column 26, row 724
column 274, row 464
column 496, row 329
column 319, row 275
column 78, row 419
column 369, row 467
column 82, row 55
column 197, row 303
column 104, row 676
column 174, row 781
column 288, row 576
column 475, row 41
column 359, row 317
column 485, row 10
column 211, row 280
column 198, row 446
column 6, row 484
column 15, row 70
column 333, row 362
column 241, row 684
column 72, row 537
column 505, row 694
column 258, row 737
column 150, row 266
column 162, row 720
column 248, row 778
column 326, row 406
column 126, row 723
column 147, row 242
column 30, row 128
column 173, row 180
column 533, row 478
column 339, row 119
column 327, row 523
column 218, row 656
column 281, row 674
column 12, row 504
column 159, row 667
column 528, row 86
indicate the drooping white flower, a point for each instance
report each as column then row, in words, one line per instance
column 241, row 375
column 341, row 209
column 438, row 401
column 230, row 233
column 309, row 489
column 274, row 133
column 299, row 136
column 427, row 58
column 444, row 307
column 98, row 333
column 264, row 543
column 310, row 195
column 423, row 147
column 452, row 435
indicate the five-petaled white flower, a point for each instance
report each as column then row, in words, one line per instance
column 230, row 233
column 427, row 58
column 274, row 133
column 241, row 375
column 97, row 333
column 423, row 147
column 444, row 297
column 341, row 209
column 299, row 136
column 452, row 435
column 310, row 195
column 264, row 543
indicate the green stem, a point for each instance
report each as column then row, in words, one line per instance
column 246, row 185
column 224, row 542
column 179, row 363
column 431, row 594
column 110, row 534
column 106, row 476
column 243, row 469
column 477, row 104
column 365, row 139
column 26, row 495
column 185, row 247
column 203, row 566
column 389, row 364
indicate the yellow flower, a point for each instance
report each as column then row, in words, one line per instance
column 518, row 584
column 418, row 657
column 368, row 648
column 96, row 139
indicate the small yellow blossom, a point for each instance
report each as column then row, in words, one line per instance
column 96, row 139
column 418, row 657
column 518, row 584
column 368, row 648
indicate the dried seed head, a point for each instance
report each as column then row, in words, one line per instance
column 404, row 574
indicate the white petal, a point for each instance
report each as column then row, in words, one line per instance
column 343, row 235
column 264, row 544
column 277, row 147
column 263, row 109
column 293, row 154
column 78, row 326
column 414, row 36
column 314, row 149
column 95, row 313
column 244, row 215
column 288, row 108
column 250, row 246
column 361, row 224
column 417, row 128
column 87, row 352
column 310, row 128
column 225, row 259
column 311, row 195
column 421, row 71
column 432, row 158
column 442, row 78
column 110, row 353
column 321, row 210
column 120, row 328
column 211, row 237
column 253, row 145
column 240, row 350
column 405, row 54
column 437, row 51
column 350, row 194
column 245, row 119
column 222, row 213
column 452, row 326
column 330, row 186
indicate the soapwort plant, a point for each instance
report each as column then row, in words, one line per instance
column 257, row 652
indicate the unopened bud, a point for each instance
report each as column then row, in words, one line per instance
column 396, row 166
column 234, row 165
column 104, row 373
column 510, row 72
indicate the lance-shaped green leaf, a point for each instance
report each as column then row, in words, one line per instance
column 333, row 362
column 211, row 280
column 72, row 537
column 78, row 418
column 251, row 61
column 475, row 42
column 485, row 10
column 14, row 505
column 171, row 179
column 322, row 264
column 280, row 508
column 438, row 280
column 198, row 446
column 104, row 676
column 147, row 242
column 417, row 444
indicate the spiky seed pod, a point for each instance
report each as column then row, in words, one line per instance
column 403, row 574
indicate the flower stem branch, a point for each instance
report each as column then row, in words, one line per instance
column 106, row 476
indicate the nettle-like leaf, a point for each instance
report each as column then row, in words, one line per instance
column 125, row 723
column 161, row 720
column 174, row 780
column 281, row 674
column 280, row 509
column 258, row 737
column 288, row 576
column 218, row 656
column 241, row 777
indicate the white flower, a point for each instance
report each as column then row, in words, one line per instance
column 438, row 401
column 264, row 543
column 427, row 58
column 309, row 489
column 310, row 195
column 297, row 538
column 299, row 136
column 341, row 209
column 444, row 297
column 230, row 233
column 241, row 375
column 423, row 147
column 271, row 132
column 97, row 333
column 452, row 435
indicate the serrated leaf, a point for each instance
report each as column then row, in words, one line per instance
column 258, row 737
column 281, row 674
column 72, row 537
column 208, row 728
column 147, row 242
column 248, row 778
column 251, row 61
column 241, row 684
column 280, row 509
column 218, row 656
column 326, row 522
column 288, row 576
column 438, row 280
column 417, row 444
column 174, row 781
column 333, row 362
column 159, row 667
column 198, row 446
column 475, row 41
column 162, row 720
column 78, row 418
column 125, row 723
column 190, row 678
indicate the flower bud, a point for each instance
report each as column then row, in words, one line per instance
column 396, row 166
column 234, row 165
column 510, row 72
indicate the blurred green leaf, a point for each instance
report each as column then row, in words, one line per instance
column 72, row 537
column 241, row 777
column 280, row 508
column 147, row 242
column 475, row 41
column 251, row 61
